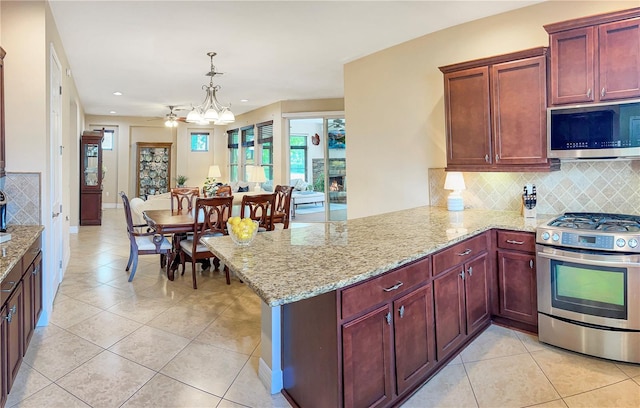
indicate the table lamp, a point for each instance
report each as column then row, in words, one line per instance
column 257, row 175
column 454, row 181
column 214, row 171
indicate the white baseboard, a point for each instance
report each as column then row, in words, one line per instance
column 271, row 380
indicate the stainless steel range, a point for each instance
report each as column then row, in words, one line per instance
column 588, row 268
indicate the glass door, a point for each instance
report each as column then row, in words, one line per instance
column 317, row 169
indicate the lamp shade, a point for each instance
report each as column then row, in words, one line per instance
column 256, row 174
column 454, row 181
column 214, row 171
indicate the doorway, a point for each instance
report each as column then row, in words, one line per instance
column 317, row 168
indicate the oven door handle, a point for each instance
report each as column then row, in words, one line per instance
column 615, row 264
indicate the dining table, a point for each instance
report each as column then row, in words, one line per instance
column 175, row 223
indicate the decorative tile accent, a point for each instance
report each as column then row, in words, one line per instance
column 23, row 198
column 611, row 186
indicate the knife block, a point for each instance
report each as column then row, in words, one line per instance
column 527, row 212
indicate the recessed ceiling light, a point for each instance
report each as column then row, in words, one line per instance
column 113, row 112
column 244, row 100
column 117, row 93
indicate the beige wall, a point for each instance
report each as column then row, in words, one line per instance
column 28, row 33
column 120, row 162
column 394, row 100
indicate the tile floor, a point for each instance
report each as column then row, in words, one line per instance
column 155, row 343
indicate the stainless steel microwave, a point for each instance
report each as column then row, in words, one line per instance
column 594, row 131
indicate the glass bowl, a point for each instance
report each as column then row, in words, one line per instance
column 242, row 233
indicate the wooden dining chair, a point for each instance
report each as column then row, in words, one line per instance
column 143, row 240
column 282, row 206
column 223, row 191
column 210, row 219
column 183, row 197
column 259, row 207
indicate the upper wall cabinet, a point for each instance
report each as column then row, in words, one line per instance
column 495, row 112
column 595, row 59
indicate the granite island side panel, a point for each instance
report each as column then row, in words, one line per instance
column 298, row 263
column 12, row 251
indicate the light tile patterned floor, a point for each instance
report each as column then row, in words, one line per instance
column 155, row 343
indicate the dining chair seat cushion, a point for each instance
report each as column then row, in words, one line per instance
column 187, row 245
column 147, row 244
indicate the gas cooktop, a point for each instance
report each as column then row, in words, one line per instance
column 599, row 231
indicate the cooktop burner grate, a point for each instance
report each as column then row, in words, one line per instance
column 598, row 221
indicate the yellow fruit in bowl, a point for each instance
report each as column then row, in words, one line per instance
column 234, row 220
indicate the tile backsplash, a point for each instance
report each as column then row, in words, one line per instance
column 23, row 198
column 611, row 186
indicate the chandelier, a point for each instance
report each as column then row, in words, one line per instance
column 210, row 110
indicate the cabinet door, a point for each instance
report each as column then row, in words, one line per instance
column 2, row 150
column 519, row 111
column 414, row 336
column 14, row 314
column 36, row 277
column 448, row 299
column 3, row 356
column 27, row 309
column 517, row 290
column 619, row 68
column 367, row 359
column 572, row 66
column 477, row 293
column 467, row 117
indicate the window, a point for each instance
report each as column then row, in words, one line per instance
column 248, row 149
column 199, row 142
column 107, row 141
column 298, row 156
column 234, row 154
column 265, row 141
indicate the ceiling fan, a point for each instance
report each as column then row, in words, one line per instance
column 171, row 119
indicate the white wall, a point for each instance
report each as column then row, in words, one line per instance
column 394, row 100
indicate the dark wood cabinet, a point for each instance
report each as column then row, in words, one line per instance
column 414, row 330
column 91, row 177
column 2, row 149
column 495, row 112
column 14, row 331
column 20, row 308
column 367, row 359
column 595, row 59
column 517, row 288
column 467, row 117
column 3, row 354
column 460, row 293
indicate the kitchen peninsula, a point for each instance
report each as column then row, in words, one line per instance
column 301, row 266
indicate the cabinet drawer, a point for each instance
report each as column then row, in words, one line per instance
column 459, row 253
column 31, row 253
column 518, row 241
column 361, row 297
column 10, row 282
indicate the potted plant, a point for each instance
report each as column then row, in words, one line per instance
column 180, row 180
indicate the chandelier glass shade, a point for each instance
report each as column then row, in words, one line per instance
column 211, row 110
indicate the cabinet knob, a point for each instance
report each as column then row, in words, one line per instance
column 531, row 263
column 603, row 92
column 497, row 158
column 462, row 274
column 8, row 317
column 589, row 93
column 465, row 252
column 486, row 158
column 388, row 318
column 470, row 271
column 512, row 241
column 401, row 311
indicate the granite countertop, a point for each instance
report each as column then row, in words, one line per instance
column 289, row 265
column 22, row 236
